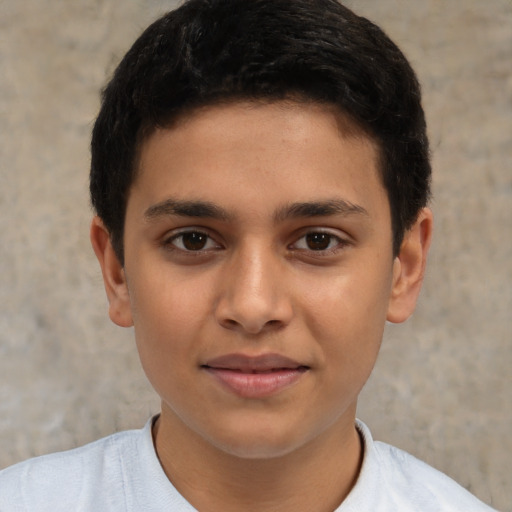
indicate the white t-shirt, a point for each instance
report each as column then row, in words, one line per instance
column 121, row 473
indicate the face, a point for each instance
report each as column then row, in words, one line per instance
column 258, row 273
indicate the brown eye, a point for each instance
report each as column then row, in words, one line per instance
column 194, row 241
column 318, row 241
column 322, row 242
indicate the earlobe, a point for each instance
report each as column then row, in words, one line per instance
column 113, row 273
column 409, row 268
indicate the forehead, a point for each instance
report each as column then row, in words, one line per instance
column 257, row 154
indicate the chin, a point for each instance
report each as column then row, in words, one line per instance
column 263, row 443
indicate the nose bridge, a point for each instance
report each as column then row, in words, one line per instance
column 254, row 294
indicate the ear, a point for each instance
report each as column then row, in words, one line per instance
column 114, row 277
column 409, row 268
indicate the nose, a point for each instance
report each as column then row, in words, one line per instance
column 254, row 296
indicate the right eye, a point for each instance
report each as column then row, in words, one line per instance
column 318, row 241
column 192, row 241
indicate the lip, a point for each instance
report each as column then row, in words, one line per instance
column 255, row 376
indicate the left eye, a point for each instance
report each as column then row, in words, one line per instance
column 192, row 241
column 317, row 241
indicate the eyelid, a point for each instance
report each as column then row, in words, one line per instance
column 170, row 237
column 342, row 240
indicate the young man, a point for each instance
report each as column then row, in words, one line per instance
column 260, row 175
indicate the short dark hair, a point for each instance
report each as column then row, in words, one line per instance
column 211, row 51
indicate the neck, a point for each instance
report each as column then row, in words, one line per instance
column 317, row 476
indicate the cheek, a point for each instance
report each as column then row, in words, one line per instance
column 167, row 319
column 346, row 315
column 166, row 303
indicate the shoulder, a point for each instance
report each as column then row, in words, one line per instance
column 425, row 484
column 394, row 480
column 64, row 481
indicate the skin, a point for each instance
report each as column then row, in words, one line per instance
column 260, row 229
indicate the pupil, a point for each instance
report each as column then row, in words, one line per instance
column 194, row 241
column 318, row 241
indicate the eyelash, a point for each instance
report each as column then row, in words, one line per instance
column 340, row 243
column 331, row 237
column 170, row 242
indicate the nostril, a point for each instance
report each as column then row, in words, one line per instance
column 253, row 327
column 230, row 323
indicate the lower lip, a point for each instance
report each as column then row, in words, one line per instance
column 257, row 385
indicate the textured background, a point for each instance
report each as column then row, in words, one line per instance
column 442, row 387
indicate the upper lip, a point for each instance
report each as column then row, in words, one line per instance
column 250, row 364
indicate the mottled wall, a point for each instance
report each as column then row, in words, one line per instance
column 442, row 387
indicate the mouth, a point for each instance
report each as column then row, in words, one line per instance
column 255, row 377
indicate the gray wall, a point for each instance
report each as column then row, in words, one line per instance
column 442, row 387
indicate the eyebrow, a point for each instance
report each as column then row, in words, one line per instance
column 197, row 209
column 319, row 209
column 205, row 209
